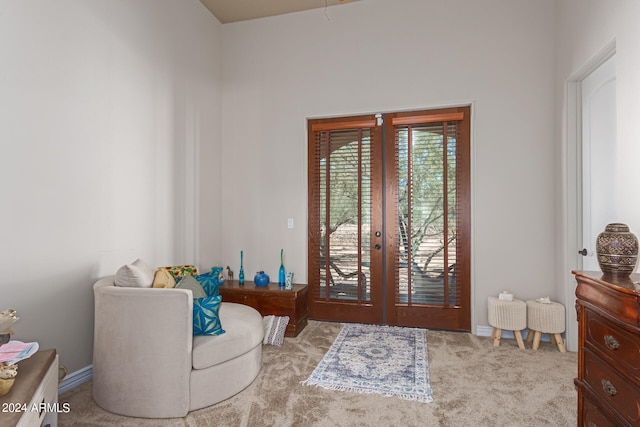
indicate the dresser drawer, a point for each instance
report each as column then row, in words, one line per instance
column 592, row 417
column 622, row 395
column 617, row 343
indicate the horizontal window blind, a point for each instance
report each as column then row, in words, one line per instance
column 425, row 155
column 340, row 208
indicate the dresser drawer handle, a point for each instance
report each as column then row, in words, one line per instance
column 592, row 424
column 611, row 342
column 609, row 388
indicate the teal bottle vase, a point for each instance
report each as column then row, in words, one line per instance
column 241, row 274
column 282, row 274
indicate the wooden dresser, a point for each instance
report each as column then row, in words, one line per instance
column 271, row 300
column 33, row 399
column 608, row 382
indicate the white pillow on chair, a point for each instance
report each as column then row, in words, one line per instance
column 137, row 275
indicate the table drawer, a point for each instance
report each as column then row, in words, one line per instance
column 43, row 400
column 622, row 395
column 617, row 343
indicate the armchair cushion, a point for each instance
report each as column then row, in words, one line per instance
column 241, row 335
column 138, row 274
column 163, row 279
column 189, row 282
column 211, row 280
column 206, row 320
column 178, row 271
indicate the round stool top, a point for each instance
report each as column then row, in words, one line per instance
column 546, row 318
column 507, row 315
column 496, row 300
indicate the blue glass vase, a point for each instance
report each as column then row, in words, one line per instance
column 282, row 274
column 241, row 273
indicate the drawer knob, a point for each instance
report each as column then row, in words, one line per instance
column 609, row 388
column 611, row 342
column 592, row 424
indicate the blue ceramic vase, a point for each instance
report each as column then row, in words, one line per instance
column 261, row 279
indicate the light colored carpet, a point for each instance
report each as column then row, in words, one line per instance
column 474, row 384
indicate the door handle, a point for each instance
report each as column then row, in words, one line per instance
column 583, row 252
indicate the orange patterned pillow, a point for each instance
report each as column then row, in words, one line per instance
column 177, row 271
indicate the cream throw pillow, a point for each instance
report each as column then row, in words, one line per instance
column 136, row 275
column 163, row 279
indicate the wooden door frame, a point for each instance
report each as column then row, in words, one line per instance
column 336, row 310
column 572, row 190
column 450, row 318
column 383, row 306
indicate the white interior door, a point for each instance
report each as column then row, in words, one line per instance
column 599, row 205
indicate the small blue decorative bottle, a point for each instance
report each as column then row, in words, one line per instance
column 281, row 274
column 241, row 274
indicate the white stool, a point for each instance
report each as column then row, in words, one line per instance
column 545, row 319
column 507, row 315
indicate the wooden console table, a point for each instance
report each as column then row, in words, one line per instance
column 271, row 300
column 33, row 399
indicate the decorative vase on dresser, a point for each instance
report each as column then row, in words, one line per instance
column 608, row 382
column 617, row 249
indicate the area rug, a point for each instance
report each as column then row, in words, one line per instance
column 386, row 360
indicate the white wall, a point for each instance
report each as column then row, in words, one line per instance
column 586, row 30
column 105, row 107
column 376, row 56
column 110, row 116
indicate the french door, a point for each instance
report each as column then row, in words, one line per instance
column 389, row 219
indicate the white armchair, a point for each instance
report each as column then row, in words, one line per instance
column 147, row 363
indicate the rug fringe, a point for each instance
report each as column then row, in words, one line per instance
column 336, row 387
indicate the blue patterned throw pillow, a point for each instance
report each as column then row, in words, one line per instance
column 206, row 319
column 210, row 281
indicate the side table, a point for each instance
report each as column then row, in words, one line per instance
column 33, row 399
column 271, row 300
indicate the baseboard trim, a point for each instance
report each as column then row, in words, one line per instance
column 484, row 331
column 76, row 378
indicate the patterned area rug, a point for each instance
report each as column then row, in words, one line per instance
column 386, row 360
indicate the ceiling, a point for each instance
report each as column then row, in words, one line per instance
column 241, row 10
